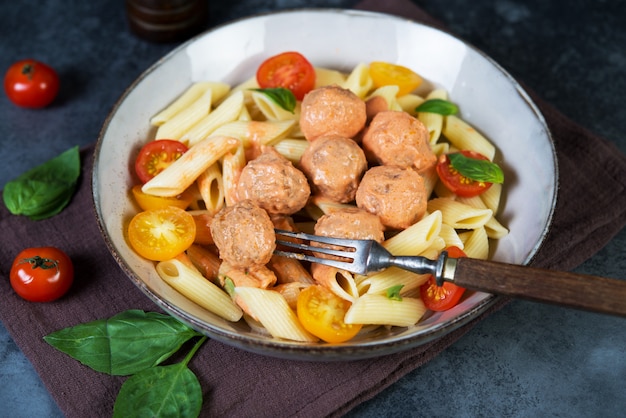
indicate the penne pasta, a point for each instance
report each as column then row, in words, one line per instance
column 409, row 102
column 381, row 310
column 271, row 110
column 292, row 149
column 416, row 238
column 464, row 136
column 227, row 111
column 359, row 80
column 232, row 164
column 181, row 103
column 184, row 120
column 256, row 133
column 476, row 243
column 327, row 77
column 340, row 282
column 211, row 188
column 459, row 215
column 433, row 121
column 189, row 282
column 272, row 310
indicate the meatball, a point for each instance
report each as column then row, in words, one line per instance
column 244, row 235
column 397, row 195
column 331, row 110
column 273, row 183
column 334, row 165
column 350, row 223
column 397, row 138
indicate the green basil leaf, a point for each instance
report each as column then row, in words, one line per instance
column 45, row 190
column 162, row 391
column 475, row 169
column 123, row 344
column 440, row 106
column 394, row 292
column 281, row 96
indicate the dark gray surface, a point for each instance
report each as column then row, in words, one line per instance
column 525, row 360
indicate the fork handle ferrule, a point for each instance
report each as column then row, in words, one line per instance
column 446, row 267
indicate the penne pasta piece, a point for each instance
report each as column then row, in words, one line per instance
column 228, row 111
column 211, row 188
column 179, row 175
column 190, row 283
column 381, row 310
column 433, row 121
column 450, row 236
column 207, row 262
column 292, row 149
column 340, row 282
column 465, row 137
column 256, row 133
column 476, row 243
column 491, row 197
column 417, row 237
column 493, row 227
column 186, row 99
column 328, row 77
column 409, row 102
column 272, row 310
column 289, row 270
column 359, row 80
column 389, row 94
column 271, row 110
column 290, row 291
column 184, row 120
column 202, row 219
column 232, row 164
column 495, row 230
column 320, row 205
column 459, row 215
column 379, row 283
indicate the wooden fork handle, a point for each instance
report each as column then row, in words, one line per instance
column 587, row 292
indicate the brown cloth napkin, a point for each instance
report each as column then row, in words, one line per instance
column 229, row 376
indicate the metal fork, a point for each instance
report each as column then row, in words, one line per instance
column 580, row 291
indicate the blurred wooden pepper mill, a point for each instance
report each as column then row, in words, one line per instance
column 167, row 20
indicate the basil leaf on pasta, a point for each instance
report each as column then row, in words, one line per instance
column 475, row 169
column 440, row 106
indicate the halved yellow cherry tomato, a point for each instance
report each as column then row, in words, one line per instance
column 386, row 74
column 321, row 312
column 148, row 201
column 161, row 234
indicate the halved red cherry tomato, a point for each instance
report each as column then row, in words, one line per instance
column 30, row 83
column 161, row 234
column 321, row 312
column 442, row 298
column 385, row 74
column 156, row 155
column 42, row 274
column 290, row 70
column 457, row 183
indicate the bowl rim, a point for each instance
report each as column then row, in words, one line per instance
column 303, row 351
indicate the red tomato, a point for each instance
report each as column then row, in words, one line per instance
column 321, row 312
column 30, row 83
column 290, row 70
column 156, row 155
column 442, row 298
column 42, row 274
column 457, row 183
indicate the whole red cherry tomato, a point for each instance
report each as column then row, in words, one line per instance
column 42, row 274
column 30, row 83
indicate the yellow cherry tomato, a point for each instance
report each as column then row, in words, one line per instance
column 321, row 312
column 386, row 74
column 147, row 201
column 161, row 234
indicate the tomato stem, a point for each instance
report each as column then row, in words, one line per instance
column 43, row 263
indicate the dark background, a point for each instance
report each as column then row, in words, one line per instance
column 525, row 360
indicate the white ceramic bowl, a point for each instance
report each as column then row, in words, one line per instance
column 487, row 95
